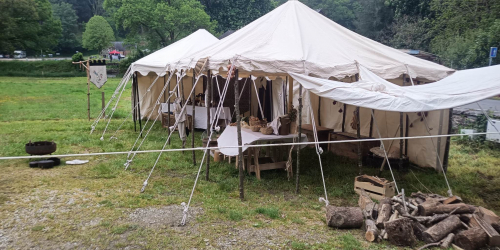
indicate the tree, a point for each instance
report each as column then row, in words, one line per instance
column 159, row 22
column 373, row 17
column 28, row 25
column 98, row 34
column 234, row 14
column 69, row 22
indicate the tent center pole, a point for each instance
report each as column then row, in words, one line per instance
column 238, row 129
column 209, row 104
column 193, row 116
column 297, row 171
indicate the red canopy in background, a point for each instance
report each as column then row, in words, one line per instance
column 114, row 52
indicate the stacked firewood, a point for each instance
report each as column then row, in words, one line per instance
column 436, row 220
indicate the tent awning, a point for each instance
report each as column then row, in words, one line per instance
column 371, row 91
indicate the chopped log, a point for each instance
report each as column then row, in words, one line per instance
column 398, row 207
column 428, row 220
column 453, row 199
column 364, row 199
column 418, row 230
column 384, row 215
column 411, row 206
column 456, row 247
column 496, row 227
column 368, row 211
column 371, row 231
column 488, row 216
column 446, row 242
column 465, row 218
column 442, row 229
column 471, row 239
column 430, row 208
column 344, row 217
column 400, row 232
column 493, row 235
column 419, row 195
column 419, row 200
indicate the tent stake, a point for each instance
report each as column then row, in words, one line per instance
column 209, row 104
column 238, row 129
column 193, row 115
column 297, row 179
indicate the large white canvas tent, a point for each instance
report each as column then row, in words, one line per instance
column 153, row 65
column 294, row 38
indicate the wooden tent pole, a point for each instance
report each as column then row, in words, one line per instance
column 238, row 129
column 168, row 110
column 297, row 180
column 193, row 116
column 358, row 134
column 290, row 93
column 138, row 103
column 209, row 104
column 134, row 104
column 401, row 134
column 88, row 88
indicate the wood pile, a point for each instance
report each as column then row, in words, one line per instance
column 436, row 220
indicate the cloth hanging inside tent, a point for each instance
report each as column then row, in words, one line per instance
column 371, row 91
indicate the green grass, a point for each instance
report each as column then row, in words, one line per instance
column 48, row 68
column 103, row 194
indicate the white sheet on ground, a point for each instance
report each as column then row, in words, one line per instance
column 371, row 91
column 229, row 137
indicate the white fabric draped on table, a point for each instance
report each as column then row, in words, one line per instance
column 229, row 137
column 200, row 121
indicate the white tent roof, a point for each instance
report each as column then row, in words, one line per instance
column 295, row 38
column 371, row 91
column 157, row 61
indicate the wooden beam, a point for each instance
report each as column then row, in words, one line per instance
column 447, row 147
column 209, row 104
column 88, row 88
column 168, row 110
column 290, row 93
column 193, row 115
column 238, row 130
column 297, row 179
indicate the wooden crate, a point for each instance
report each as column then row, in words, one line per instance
column 376, row 189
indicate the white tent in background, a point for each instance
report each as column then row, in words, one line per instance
column 154, row 65
column 294, row 38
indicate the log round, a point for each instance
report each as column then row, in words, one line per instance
column 372, row 232
column 400, row 232
column 471, row 239
column 344, row 217
column 442, row 229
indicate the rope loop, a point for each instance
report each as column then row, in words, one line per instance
column 321, row 199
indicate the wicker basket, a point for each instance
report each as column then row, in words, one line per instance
column 267, row 130
column 255, row 128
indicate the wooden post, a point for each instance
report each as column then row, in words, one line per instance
column 238, row 129
column 168, row 110
column 447, row 147
column 209, row 104
column 297, row 180
column 134, row 105
column 88, row 88
column 401, row 141
column 138, row 103
column 103, row 104
column 319, row 111
column 193, row 115
column 358, row 133
column 406, row 134
column 344, row 111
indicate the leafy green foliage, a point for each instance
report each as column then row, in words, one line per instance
column 272, row 213
column 28, row 25
column 98, row 34
column 78, row 57
column 161, row 22
column 63, row 68
column 70, row 32
column 234, row 14
column 125, row 63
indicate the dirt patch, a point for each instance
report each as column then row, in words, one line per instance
column 167, row 216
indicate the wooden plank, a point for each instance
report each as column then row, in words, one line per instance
column 493, row 235
column 369, row 186
column 372, row 195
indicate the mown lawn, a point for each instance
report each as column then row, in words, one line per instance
column 98, row 205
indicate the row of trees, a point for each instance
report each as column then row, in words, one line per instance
column 459, row 31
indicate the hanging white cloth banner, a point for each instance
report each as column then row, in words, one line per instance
column 98, row 75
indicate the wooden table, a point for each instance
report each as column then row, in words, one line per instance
column 274, row 154
column 323, row 134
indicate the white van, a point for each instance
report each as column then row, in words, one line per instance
column 19, row 54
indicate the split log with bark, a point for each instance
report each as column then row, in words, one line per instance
column 442, row 229
column 344, row 217
column 471, row 239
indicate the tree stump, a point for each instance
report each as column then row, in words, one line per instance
column 471, row 239
column 400, row 232
column 344, row 217
column 442, row 229
column 371, row 231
